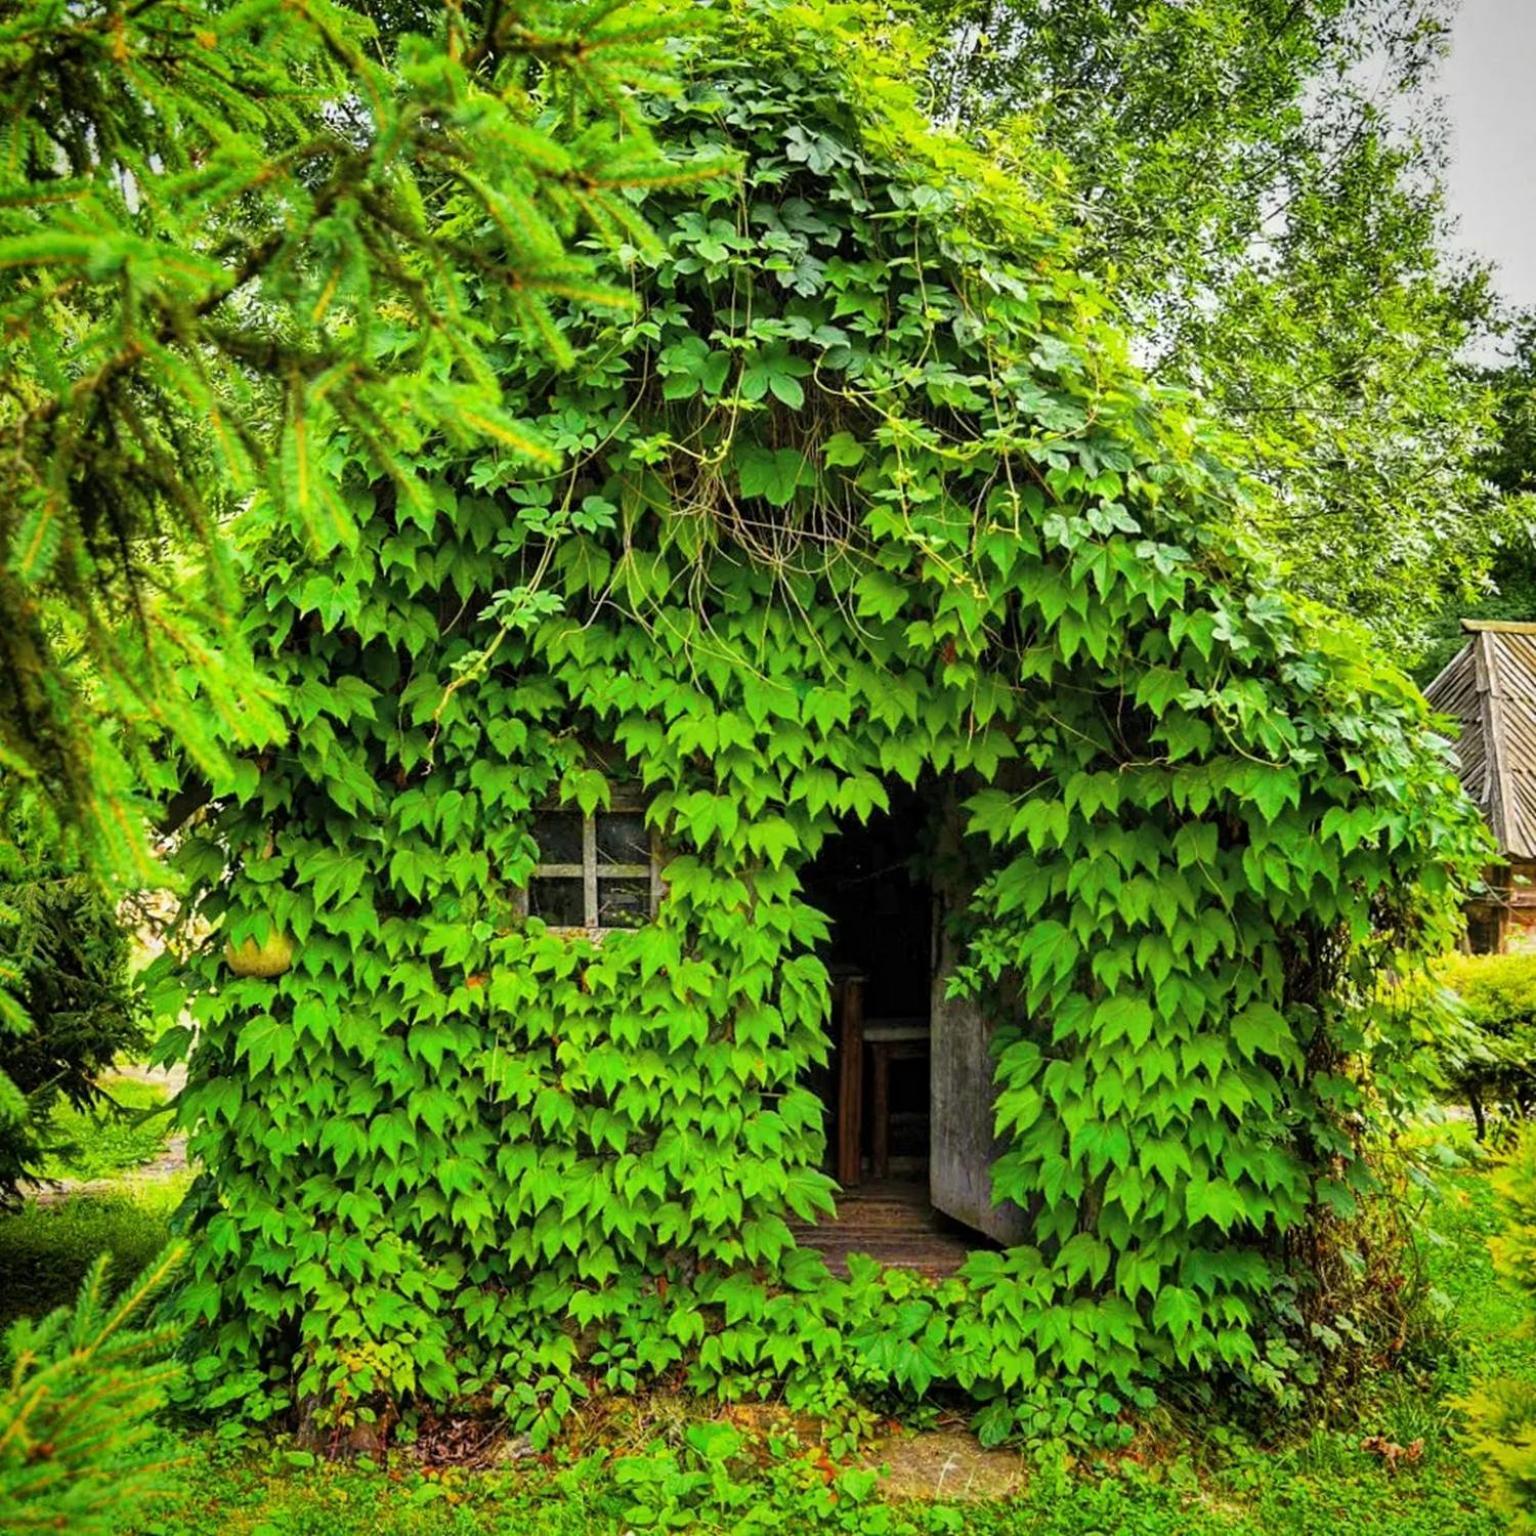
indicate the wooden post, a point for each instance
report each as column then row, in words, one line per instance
column 880, row 1113
column 850, row 1091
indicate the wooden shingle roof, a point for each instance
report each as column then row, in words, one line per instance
column 1490, row 687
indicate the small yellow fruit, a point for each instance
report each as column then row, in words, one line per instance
column 271, row 958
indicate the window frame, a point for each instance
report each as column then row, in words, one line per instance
column 593, row 869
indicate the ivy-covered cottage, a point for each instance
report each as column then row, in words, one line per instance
column 1489, row 688
column 851, row 761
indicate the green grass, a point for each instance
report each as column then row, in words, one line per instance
column 1249, row 1493
column 676, row 1474
column 112, row 1138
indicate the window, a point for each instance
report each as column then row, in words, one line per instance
column 598, row 871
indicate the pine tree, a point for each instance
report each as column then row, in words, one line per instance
column 229, row 234
column 79, row 1450
column 64, row 962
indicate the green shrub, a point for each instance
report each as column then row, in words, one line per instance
column 1502, row 1412
column 47, row 1250
column 1494, row 1062
column 78, row 1447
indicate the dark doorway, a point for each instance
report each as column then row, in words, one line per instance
column 871, row 881
column 875, row 881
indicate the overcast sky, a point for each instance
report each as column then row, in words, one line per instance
column 1490, row 92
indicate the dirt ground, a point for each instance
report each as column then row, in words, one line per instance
column 945, row 1464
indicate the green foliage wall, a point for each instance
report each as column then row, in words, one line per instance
column 866, row 491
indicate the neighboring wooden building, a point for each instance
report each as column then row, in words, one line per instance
column 1490, row 687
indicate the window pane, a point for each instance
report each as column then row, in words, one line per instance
column 558, row 902
column 623, row 903
column 558, row 834
column 622, row 838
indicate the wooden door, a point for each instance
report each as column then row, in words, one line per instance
column 961, row 1091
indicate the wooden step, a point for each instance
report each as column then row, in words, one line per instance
column 893, row 1223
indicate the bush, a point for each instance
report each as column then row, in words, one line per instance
column 79, row 1450
column 1495, row 1064
column 64, row 961
column 46, row 1251
column 1502, row 1413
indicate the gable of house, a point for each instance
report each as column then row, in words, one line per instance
column 1489, row 687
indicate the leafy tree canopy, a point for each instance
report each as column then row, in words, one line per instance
column 1261, row 182
column 1509, row 461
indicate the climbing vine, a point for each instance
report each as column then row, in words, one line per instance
column 865, row 492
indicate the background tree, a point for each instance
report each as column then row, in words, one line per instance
column 1509, row 461
column 1260, row 181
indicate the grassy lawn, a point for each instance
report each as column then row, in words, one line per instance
column 113, row 1138
column 1304, row 1491
column 673, row 1473
column 47, row 1246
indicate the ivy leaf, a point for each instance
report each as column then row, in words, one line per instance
column 1130, row 1017
column 334, row 875
column 881, row 594
column 1213, row 1200
column 1050, row 949
column 265, row 1042
column 775, row 369
column 690, row 367
column 429, row 1042
column 1272, row 788
column 1158, row 687
column 409, row 869
column 1262, row 1027
column 392, row 1134
column 808, row 1194
column 1177, row 1310
column 772, row 473
column 554, row 1110
column 842, row 451
column 773, row 837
